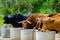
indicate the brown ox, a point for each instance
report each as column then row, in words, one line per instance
column 34, row 21
column 53, row 23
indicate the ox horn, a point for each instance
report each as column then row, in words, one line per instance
column 29, row 22
column 20, row 22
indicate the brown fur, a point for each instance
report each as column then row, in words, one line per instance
column 35, row 21
column 53, row 23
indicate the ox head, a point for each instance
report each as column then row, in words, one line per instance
column 25, row 23
column 48, row 17
column 7, row 19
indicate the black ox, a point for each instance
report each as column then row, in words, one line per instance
column 14, row 19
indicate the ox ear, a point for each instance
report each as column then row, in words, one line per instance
column 50, row 15
column 28, row 22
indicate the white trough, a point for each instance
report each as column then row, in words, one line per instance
column 48, row 35
column 57, row 36
column 15, row 33
column 27, row 34
column 5, row 32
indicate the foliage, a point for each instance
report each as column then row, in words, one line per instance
column 26, row 6
column 1, row 20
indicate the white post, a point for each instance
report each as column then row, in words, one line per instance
column 27, row 34
column 15, row 33
column 57, row 37
column 48, row 35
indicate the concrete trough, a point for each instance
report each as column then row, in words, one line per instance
column 5, row 32
column 27, row 34
column 57, row 36
column 0, row 30
column 48, row 35
column 6, row 39
column 15, row 33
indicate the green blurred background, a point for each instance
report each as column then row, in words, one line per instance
column 28, row 6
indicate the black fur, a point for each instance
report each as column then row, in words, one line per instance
column 14, row 19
